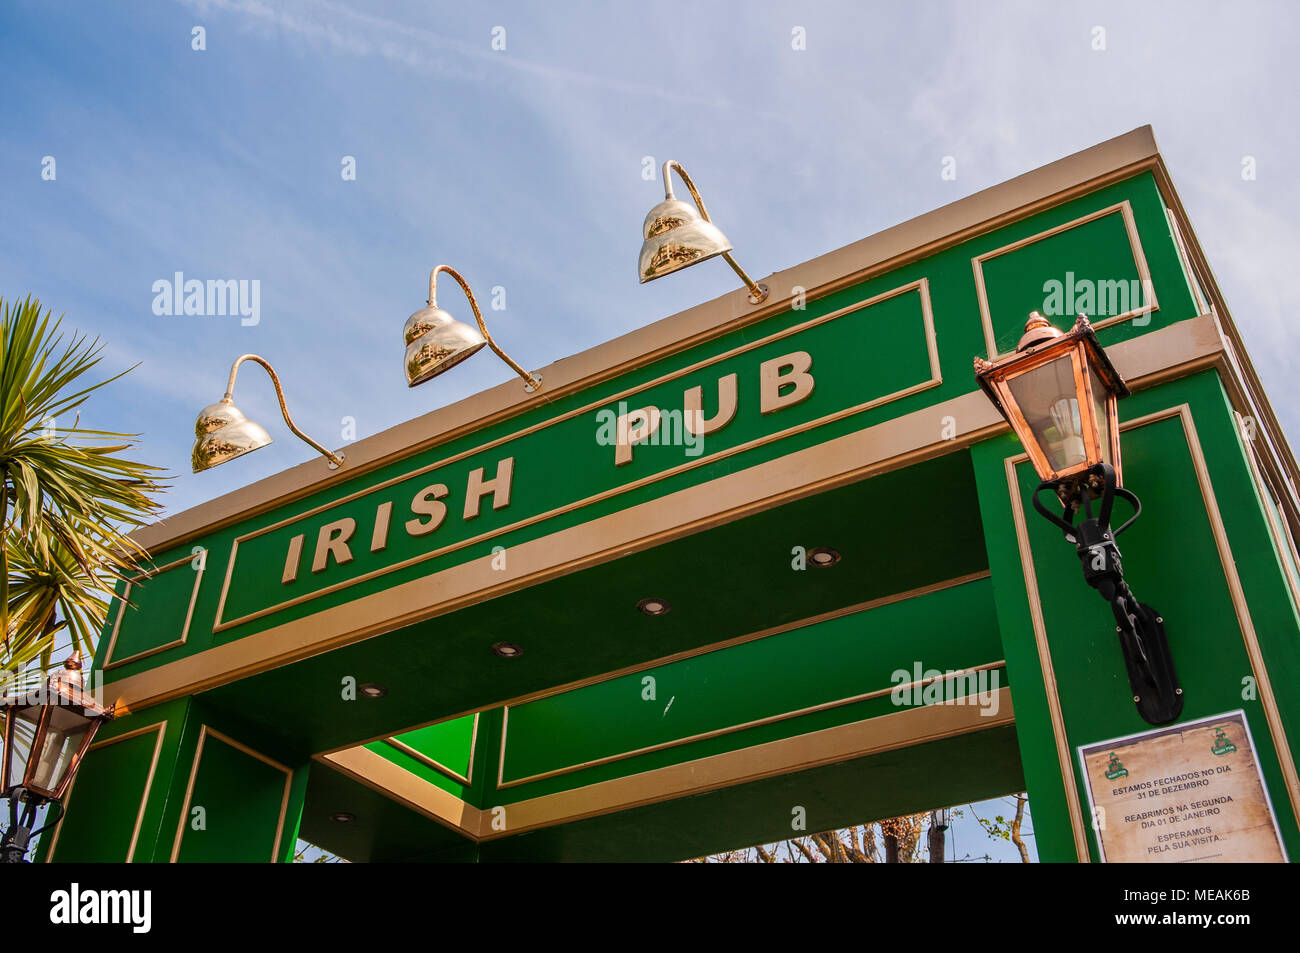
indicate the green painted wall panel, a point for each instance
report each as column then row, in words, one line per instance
column 114, row 779
column 1095, row 271
column 448, row 743
column 241, row 799
column 156, row 613
column 115, row 802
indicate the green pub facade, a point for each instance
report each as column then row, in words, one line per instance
column 749, row 568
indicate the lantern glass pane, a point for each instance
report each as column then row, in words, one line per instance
column 67, row 729
column 1049, row 401
column 1099, row 395
column 24, row 721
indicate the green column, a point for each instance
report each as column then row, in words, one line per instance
column 1210, row 567
column 175, row 782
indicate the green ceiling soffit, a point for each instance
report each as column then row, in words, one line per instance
column 897, row 532
column 700, row 705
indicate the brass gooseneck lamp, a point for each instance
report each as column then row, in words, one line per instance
column 222, row 432
column 436, row 342
column 676, row 236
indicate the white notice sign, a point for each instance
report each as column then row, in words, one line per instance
column 1184, row 794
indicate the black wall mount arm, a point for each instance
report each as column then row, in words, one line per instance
column 1141, row 629
column 23, row 807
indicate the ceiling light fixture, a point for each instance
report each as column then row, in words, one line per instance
column 823, row 556
column 652, row 606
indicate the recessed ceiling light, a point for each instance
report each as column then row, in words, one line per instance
column 371, row 690
column 823, row 556
column 342, row 817
column 653, row 606
column 508, row 649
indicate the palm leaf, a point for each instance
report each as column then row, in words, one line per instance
column 70, row 500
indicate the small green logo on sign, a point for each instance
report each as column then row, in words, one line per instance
column 1221, row 743
column 1115, row 768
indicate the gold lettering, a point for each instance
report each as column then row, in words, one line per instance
column 333, row 540
column 292, row 560
column 498, row 486
column 379, row 537
column 789, row 370
column 634, row 427
column 426, row 503
column 693, row 404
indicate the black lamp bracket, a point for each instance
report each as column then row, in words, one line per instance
column 1141, row 629
column 23, row 806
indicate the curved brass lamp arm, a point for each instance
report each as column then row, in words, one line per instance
column 757, row 293
column 534, row 383
column 336, row 459
column 686, row 180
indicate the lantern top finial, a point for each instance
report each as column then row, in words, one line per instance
column 69, row 678
column 1038, row 330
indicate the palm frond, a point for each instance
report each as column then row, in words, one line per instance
column 70, row 500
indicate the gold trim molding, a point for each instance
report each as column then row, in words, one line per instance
column 1288, row 555
column 204, row 732
column 1125, row 211
column 465, row 779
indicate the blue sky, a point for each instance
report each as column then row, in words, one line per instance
column 522, row 168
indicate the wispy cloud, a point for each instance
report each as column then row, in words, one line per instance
column 523, row 168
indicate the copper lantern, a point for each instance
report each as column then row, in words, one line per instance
column 47, row 733
column 1058, row 392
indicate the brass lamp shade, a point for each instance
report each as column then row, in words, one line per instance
column 223, row 433
column 676, row 235
column 435, row 342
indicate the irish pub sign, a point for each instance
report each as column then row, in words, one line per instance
column 578, row 457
